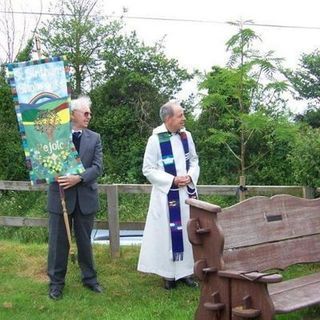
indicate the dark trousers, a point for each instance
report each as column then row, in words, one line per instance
column 59, row 247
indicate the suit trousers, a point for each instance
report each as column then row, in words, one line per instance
column 59, row 247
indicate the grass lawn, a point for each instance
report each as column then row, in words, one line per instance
column 128, row 295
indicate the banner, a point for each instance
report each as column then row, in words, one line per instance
column 40, row 90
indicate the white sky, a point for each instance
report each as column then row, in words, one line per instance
column 202, row 45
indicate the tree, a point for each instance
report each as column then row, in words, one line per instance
column 305, row 158
column 310, row 116
column 306, row 79
column 306, row 83
column 244, row 101
column 305, row 149
column 136, row 81
column 147, row 72
column 9, row 31
column 25, row 54
column 15, row 34
column 79, row 33
column 12, row 159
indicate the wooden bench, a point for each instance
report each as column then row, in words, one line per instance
column 235, row 247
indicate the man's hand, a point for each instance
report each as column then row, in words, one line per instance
column 68, row 181
column 181, row 181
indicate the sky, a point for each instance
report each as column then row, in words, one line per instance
column 200, row 45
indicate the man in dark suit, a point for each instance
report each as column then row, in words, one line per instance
column 81, row 195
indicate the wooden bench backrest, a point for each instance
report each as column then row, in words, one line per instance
column 264, row 233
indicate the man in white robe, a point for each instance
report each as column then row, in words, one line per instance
column 156, row 251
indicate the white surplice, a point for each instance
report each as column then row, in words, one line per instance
column 156, row 250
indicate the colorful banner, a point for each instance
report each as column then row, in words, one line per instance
column 40, row 91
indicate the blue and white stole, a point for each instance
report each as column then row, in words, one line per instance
column 173, row 195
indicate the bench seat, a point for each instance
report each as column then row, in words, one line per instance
column 295, row 294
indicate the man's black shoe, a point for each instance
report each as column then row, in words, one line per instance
column 55, row 293
column 169, row 284
column 189, row 281
column 94, row 287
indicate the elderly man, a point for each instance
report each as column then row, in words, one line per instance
column 171, row 165
column 81, row 195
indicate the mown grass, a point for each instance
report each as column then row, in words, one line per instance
column 128, row 295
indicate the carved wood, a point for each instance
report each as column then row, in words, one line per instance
column 257, row 234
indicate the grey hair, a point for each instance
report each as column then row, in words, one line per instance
column 83, row 101
column 167, row 109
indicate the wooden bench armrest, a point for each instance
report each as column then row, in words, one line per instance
column 251, row 276
column 203, row 205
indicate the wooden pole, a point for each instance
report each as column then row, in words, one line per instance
column 66, row 223
column 38, row 46
column 113, row 220
column 308, row 192
column 242, row 188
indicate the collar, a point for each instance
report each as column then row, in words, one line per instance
column 80, row 131
column 162, row 128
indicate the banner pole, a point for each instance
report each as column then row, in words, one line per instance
column 66, row 223
column 38, row 46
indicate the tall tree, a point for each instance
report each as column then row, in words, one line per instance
column 306, row 79
column 306, row 83
column 17, row 47
column 12, row 159
column 136, row 81
column 244, row 100
column 78, row 32
column 304, row 157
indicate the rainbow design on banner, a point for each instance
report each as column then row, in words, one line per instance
column 41, row 92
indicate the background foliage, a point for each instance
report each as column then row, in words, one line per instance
column 243, row 124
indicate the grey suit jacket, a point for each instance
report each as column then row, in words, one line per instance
column 86, row 191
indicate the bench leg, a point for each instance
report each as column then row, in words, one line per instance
column 250, row 300
column 214, row 301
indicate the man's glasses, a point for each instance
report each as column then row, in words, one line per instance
column 86, row 113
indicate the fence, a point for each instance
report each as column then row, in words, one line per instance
column 112, row 192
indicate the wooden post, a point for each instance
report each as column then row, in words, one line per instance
column 308, row 192
column 113, row 220
column 242, row 190
column 38, row 46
